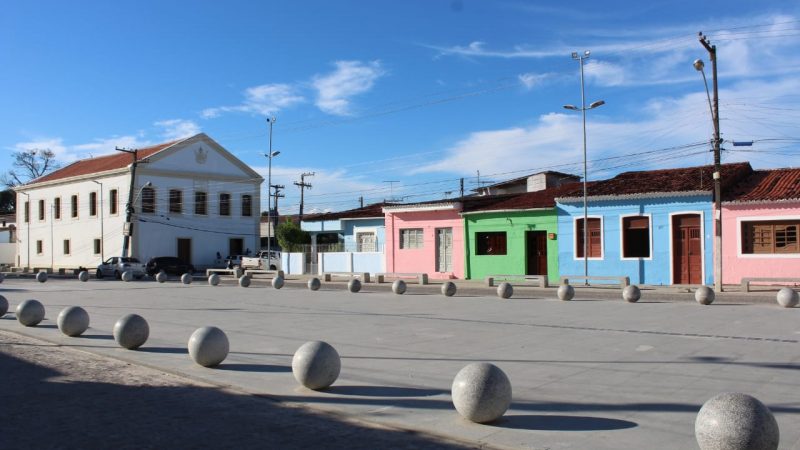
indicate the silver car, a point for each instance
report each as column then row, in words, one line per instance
column 116, row 265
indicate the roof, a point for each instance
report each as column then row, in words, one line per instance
column 469, row 202
column 373, row 210
column 114, row 161
column 525, row 177
column 528, row 200
column 657, row 183
column 766, row 186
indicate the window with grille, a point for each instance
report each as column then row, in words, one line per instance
column 57, row 208
column 74, row 206
column 41, row 209
column 595, row 238
column 39, row 247
column 366, row 242
column 490, row 243
column 635, row 237
column 93, row 203
column 411, row 238
column 200, row 203
column 770, row 237
column 113, row 201
column 66, row 247
column 27, row 212
column 224, row 204
column 175, row 201
column 247, row 205
column 97, row 245
column 148, row 200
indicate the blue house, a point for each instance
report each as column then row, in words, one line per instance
column 655, row 227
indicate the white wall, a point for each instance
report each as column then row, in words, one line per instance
column 8, row 253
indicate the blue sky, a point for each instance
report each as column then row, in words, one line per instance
column 421, row 92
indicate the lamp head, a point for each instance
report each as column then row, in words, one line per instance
column 271, row 119
column 597, row 103
column 574, row 55
column 572, row 107
column 698, row 65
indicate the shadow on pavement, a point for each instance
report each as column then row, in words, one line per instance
column 383, row 391
column 562, row 423
column 266, row 368
column 173, row 350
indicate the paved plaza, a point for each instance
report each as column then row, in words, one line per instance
column 589, row 373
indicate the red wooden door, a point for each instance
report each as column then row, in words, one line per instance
column 687, row 256
column 536, row 243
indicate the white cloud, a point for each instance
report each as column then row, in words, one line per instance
column 350, row 78
column 174, row 129
column 531, row 80
column 264, row 100
column 56, row 145
column 605, row 73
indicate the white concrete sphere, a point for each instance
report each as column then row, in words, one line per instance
column 354, row 285
column 127, row 276
column 3, row 306
column 213, row 279
column 83, row 276
column 208, row 346
column 704, row 295
column 788, row 297
column 631, row 294
column 73, row 321
column 244, row 281
column 735, row 421
column 399, row 287
column 481, row 392
column 316, row 365
column 314, row 284
column 449, row 289
column 186, row 278
column 505, row 290
column 565, row 292
column 41, row 277
column 277, row 282
column 161, row 276
column 131, row 331
column 30, row 312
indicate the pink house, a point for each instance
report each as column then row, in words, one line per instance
column 761, row 227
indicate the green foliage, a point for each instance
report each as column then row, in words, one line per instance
column 8, row 200
column 291, row 237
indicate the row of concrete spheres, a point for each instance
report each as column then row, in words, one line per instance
column 481, row 392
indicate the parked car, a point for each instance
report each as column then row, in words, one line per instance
column 115, row 265
column 169, row 264
column 262, row 261
column 233, row 261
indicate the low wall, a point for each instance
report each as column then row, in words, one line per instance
column 8, row 253
column 292, row 263
column 372, row 262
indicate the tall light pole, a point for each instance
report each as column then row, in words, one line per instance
column 583, row 109
column 270, row 155
column 714, row 107
column 102, row 234
column 28, row 226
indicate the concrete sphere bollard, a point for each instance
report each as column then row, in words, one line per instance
column 131, row 331
column 213, row 279
column 127, row 276
column 244, row 281
column 30, row 312
column 505, row 290
column 3, row 306
column 788, row 297
column 161, row 277
column 735, row 421
column 449, row 289
column 41, row 277
column 277, row 282
column 73, row 321
column 316, row 365
column 208, row 346
column 354, row 285
column 631, row 294
column 83, row 276
column 186, row 278
column 399, row 287
column 314, row 284
column 481, row 392
column 565, row 292
column 704, row 295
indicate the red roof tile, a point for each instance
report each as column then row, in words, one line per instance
column 373, row 210
column 766, row 185
column 101, row 163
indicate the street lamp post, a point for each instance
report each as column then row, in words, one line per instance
column 102, row 234
column 28, row 226
column 270, row 155
column 583, row 108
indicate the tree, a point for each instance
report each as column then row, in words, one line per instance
column 8, row 201
column 29, row 165
column 290, row 236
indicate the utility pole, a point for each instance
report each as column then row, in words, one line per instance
column 712, row 55
column 303, row 186
column 461, row 189
column 127, row 230
column 361, row 201
column 275, row 195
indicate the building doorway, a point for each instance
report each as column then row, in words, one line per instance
column 444, row 249
column 185, row 250
column 536, row 252
column 235, row 246
column 687, row 249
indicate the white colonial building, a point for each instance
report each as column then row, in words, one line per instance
column 191, row 199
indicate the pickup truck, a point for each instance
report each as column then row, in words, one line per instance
column 262, row 261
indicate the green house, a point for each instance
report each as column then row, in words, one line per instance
column 514, row 236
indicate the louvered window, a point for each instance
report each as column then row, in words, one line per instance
column 776, row 237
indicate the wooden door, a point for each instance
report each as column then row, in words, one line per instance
column 444, row 249
column 185, row 250
column 536, row 252
column 687, row 255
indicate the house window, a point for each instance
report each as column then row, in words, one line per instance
column 366, row 242
column 97, row 245
column 595, row 238
column 770, row 237
column 113, row 201
column 247, row 205
column 74, row 206
column 224, row 204
column 200, row 203
column 41, row 209
column 92, row 204
column 635, row 237
column 27, row 212
column 66, row 247
column 57, row 208
column 411, row 238
column 175, row 201
column 39, row 247
column 490, row 243
column 148, row 200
